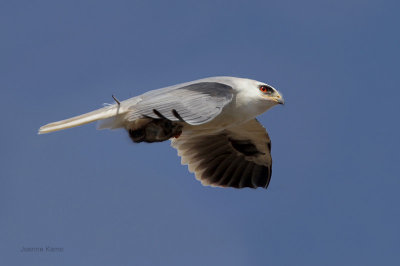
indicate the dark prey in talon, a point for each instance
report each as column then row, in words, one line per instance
column 211, row 122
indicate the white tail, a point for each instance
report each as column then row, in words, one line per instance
column 100, row 114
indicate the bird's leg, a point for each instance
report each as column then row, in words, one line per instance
column 155, row 130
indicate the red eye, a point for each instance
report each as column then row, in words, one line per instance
column 266, row 89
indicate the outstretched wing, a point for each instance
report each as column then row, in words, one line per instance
column 236, row 157
column 194, row 104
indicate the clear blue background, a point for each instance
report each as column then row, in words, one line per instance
column 334, row 195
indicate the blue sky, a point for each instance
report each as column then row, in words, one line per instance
column 334, row 194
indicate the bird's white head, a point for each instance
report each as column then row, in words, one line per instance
column 257, row 96
column 270, row 94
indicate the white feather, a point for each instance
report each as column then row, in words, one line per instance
column 99, row 114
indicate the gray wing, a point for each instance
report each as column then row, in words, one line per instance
column 237, row 157
column 194, row 104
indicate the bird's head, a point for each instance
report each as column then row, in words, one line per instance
column 256, row 96
column 270, row 94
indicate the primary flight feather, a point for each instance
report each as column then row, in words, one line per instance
column 210, row 121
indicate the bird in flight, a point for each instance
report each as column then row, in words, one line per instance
column 211, row 122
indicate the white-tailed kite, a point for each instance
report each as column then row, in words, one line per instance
column 211, row 123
